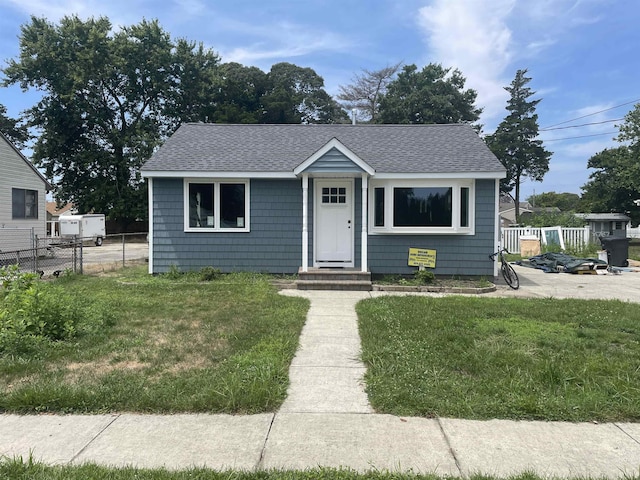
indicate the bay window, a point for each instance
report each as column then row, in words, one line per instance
column 216, row 205
column 422, row 206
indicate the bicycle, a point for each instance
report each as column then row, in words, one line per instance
column 509, row 274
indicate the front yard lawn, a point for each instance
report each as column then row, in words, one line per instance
column 175, row 344
column 483, row 358
column 18, row 469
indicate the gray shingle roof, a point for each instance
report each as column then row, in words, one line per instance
column 199, row 147
column 619, row 217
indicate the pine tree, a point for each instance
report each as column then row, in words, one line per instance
column 514, row 141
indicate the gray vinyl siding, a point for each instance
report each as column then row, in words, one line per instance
column 464, row 255
column 16, row 173
column 334, row 161
column 274, row 244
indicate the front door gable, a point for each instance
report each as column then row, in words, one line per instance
column 334, row 157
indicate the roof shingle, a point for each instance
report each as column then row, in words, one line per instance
column 200, row 147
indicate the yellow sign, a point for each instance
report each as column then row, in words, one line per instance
column 420, row 257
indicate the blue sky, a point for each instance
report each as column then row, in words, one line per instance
column 582, row 55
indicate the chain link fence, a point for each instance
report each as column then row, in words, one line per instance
column 117, row 251
column 48, row 258
column 51, row 256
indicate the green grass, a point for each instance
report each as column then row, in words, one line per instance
column 16, row 469
column 175, row 345
column 482, row 358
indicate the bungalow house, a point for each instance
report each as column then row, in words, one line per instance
column 23, row 191
column 294, row 198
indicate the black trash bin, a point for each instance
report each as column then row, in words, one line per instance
column 617, row 250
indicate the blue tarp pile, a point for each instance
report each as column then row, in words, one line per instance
column 561, row 262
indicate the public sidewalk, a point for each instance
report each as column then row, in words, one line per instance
column 327, row 421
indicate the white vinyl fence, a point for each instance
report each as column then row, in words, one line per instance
column 633, row 232
column 573, row 237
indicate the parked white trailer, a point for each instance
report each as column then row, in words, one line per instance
column 83, row 227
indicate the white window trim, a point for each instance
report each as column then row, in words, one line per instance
column 216, row 204
column 454, row 184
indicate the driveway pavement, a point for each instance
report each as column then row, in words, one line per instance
column 536, row 283
column 112, row 254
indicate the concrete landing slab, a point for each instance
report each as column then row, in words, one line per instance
column 181, row 441
column 551, row 449
column 360, row 442
column 335, row 296
column 51, row 439
column 326, row 390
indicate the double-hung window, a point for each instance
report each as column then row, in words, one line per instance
column 24, row 204
column 216, row 205
column 422, row 206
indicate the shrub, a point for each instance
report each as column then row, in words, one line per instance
column 425, row 277
column 208, row 274
column 33, row 312
column 173, row 273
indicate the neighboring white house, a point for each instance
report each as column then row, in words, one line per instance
column 23, row 191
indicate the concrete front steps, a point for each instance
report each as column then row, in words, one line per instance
column 334, row 279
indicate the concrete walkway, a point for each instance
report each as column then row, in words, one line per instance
column 327, row 421
column 326, row 374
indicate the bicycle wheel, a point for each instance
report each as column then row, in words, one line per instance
column 510, row 276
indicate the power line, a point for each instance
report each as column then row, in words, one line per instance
column 581, row 125
column 594, row 113
column 581, row 136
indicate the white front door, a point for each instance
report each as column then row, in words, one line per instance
column 333, row 223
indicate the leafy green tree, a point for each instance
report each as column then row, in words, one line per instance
column 551, row 219
column 239, row 98
column 566, row 202
column 615, row 183
column 366, row 90
column 514, row 141
column 296, row 95
column 195, row 81
column 432, row 95
column 109, row 99
column 13, row 129
column 614, row 186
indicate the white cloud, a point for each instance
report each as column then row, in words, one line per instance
column 119, row 12
column 484, row 39
column 190, row 7
column 52, row 9
column 282, row 41
column 476, row 39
